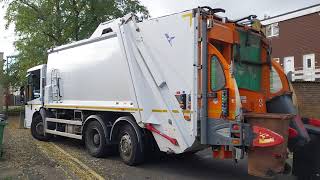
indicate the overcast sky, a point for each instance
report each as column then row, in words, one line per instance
column 234, row 9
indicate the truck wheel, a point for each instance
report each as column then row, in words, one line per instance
column 95, row 140
column 129, row 147
column 37, row 129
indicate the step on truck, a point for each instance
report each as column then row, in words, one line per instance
column 178, row 83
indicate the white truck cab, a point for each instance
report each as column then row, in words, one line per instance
column 34, row 92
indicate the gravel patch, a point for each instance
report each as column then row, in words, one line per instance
column 23, row 159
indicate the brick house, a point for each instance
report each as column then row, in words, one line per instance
column 295, row 39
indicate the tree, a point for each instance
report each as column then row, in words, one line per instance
column 43, row 24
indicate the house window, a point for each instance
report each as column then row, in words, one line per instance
column 309, row 63
column 272, row 30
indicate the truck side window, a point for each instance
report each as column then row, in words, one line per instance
column 218, row 79
column 33, row 88
column 275, row 81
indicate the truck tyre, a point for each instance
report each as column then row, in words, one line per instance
column 95, row 140
column 37, row 129
column 129, row 147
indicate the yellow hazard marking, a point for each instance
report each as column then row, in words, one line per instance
column 93, row 108
column 114, row 109
column 188, row 15
column 187, row 111
column 175, row 111
column 159, row 110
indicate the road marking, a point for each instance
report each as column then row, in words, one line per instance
column 73, row 164
column 96, row 175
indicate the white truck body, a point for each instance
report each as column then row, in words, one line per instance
column 136, row 68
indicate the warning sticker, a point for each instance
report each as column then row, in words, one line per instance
column 243, row 99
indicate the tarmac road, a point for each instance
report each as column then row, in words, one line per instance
column 65, row 158
column 200, row 166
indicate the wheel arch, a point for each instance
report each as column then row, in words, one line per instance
column 43, row 137
column 98, row 118
column 41, row 112
column 35, row 114
column 129, row 120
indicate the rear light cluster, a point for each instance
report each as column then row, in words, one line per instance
column 182, row 99
column 185, row 103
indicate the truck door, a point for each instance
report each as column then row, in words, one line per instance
column 33, row 86
column 34, row 94
column 219, row 101
column 280, row 98
column 221, row 87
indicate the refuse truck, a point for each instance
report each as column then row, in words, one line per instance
column 178, row 83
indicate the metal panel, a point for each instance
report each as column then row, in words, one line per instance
column 142, row 67
column 248, row 76
column 87, row 74
column 219, row 133
column 204, row 79
column 64, row 134
column 160, row 57
column 249, row 47
column 74, row 122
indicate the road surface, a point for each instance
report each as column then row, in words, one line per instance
column 62, row 158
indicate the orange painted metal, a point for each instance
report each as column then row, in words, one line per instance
column 253, row 101
column 221, row 40
column 222, row 153
column 221, row 32
column 215, row 107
